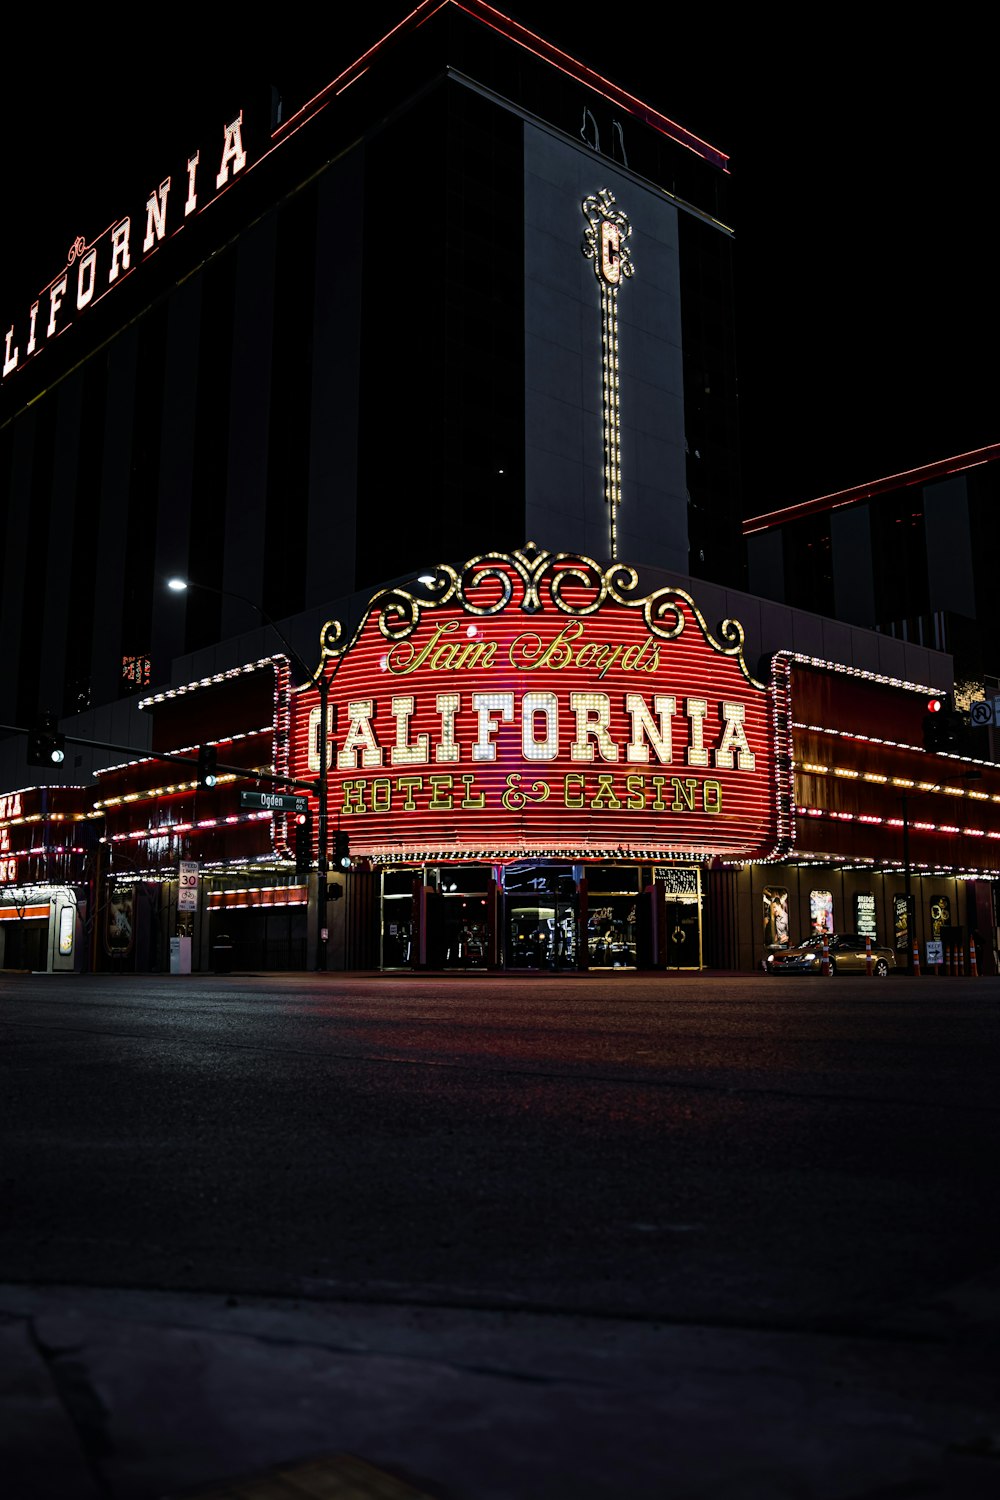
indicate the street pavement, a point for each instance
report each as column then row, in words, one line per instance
column 135, row 1396
column 114, row 1394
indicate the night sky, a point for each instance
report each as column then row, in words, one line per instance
column 863, row 176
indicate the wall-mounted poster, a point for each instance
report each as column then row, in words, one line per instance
column 67, row 929
column 901, row 908
column 119, row 933
column 775, row 916
column 940, row 915
column 821, row 911
column 864, row 914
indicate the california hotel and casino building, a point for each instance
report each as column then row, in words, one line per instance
column 423, row 379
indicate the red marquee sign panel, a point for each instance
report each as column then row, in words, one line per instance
column 538, row 704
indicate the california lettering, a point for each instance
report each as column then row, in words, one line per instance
column 627, row 727
column 93, row 269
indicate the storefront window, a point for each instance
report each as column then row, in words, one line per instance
column 464, row 911
column 540, row 902
column 469, row 880
column 539, row 876
column 605, row 879
column 612, row 932
column 683, row 933
column 681, row 887
column 466, row 933
column 397, row 918
column 541, row 933
column 612, row 916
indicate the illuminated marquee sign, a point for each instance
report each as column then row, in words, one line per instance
column 8, row 863
column 93, row 269
column 605, row 244
column 535, row 703
column 11, row 850
column 39, row 834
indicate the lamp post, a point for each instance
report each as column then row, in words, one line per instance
column 911, row 936
column 180, row 586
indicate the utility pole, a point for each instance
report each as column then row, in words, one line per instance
column 910, row 934
column 321, row 785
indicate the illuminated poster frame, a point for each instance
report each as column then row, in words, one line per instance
column 538, row 704
column 775, row 916
column 865, row 915
column 820, row 912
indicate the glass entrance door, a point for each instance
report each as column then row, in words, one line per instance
column 540, row 916
column 397, row 919
column 683, row 930
column 541, row 933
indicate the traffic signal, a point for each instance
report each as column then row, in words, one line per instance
column 207, row 775
column 342, row 850
column 46, row 746
column 303, row 844
column 945, row 726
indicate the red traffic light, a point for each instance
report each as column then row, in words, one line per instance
column 302, row 819
column 934, row 705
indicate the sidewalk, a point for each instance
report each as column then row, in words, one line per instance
column 137, row 1396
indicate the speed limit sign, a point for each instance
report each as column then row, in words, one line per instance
column 187, row 885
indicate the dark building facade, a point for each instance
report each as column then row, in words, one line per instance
column 911, row 554
column 353, row 334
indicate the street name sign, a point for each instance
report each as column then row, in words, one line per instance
column 274, row 802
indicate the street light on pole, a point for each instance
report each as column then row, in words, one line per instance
column 322, row 680
column 911, row 935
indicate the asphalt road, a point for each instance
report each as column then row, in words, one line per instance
column 735, row 1151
